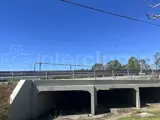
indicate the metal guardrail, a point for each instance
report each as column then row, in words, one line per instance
column 57, row 74
column 70, row 65
column 4, row 75
column 53, row 64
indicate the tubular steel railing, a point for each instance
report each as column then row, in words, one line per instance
column 70, row 65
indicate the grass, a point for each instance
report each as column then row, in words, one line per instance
column 138, row 118
column 155, row 112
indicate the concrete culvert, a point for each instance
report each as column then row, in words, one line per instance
column 115, row 98
column 149, row 95
column 63, row 103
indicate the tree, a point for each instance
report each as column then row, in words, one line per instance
column 142, row 64
column 157, row 60
column 97, row 66
column 124, row 67
column 114, row 65
column 133, row 64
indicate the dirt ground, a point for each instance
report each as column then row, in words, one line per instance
column 114, row 115
column 152, row 112
column 5, row 91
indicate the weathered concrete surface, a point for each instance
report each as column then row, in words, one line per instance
column 23, row 104
column 16, row 90
column 36, row 97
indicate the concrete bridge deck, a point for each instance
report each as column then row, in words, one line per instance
column 35, row 97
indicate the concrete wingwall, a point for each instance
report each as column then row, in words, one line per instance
column 22, row 106
column 16, row 90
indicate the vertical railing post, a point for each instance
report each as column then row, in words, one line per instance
column 112, row 74
column 71, row 71
column 46, row 75
column 35, row 66
column 12, row 76
column 128, row 73
column 40, row 65
column 24, row 77
column 73, row 75
column 95, row 73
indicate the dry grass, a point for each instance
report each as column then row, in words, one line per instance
column 5, row 91
column 154, row 112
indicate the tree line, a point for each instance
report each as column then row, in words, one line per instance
column 133, row 64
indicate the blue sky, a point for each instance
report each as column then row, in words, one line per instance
column 53, row 31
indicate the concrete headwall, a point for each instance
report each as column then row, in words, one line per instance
column 35, row 98
column 21, row 107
